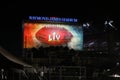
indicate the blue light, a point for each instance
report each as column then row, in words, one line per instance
column 54, row 19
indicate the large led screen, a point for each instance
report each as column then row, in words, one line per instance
column 44, row 35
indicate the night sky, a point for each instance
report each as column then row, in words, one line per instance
column 12, row 16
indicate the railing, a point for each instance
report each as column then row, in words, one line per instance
column 67, row 73
column 52, row 73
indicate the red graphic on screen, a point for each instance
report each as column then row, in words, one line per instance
column 53, row 35
column 29, row 30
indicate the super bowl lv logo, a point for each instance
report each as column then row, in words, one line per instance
column 54, row 37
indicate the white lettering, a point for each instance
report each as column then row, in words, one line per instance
column 49, row 38
column 53, row 19
column 53, row 37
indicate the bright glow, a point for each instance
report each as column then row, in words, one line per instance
column 115, row 75
column 45, row 35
